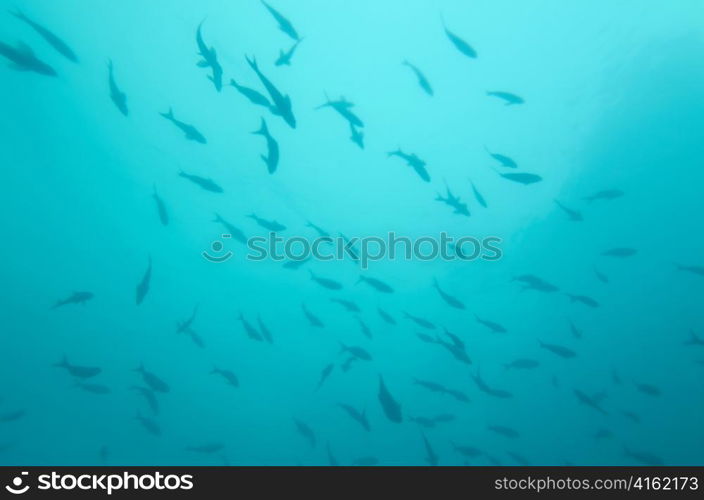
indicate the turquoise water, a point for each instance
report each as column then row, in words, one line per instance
column 613, row 101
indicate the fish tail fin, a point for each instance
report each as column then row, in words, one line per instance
column 217, row 218
column 252, row 63
column 343, row 347
column 263, row 130
column 436, row 285
column 63, row 363
column 140, row 368
column 359, row 280
column 169, row 115
column 214, row 370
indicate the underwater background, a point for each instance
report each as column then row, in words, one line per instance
column 582, row 344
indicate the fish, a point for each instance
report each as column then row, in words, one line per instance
column 603, row 434
column 209, row 59
column 504, row 431
column 449, row 299
column 467, row 451
column 522, row 364
column 606, row 194
column 583, row 299
column 270, row 225
column 485, row 388
column 344, row 109
column 51, row 38
column 430, row 456
column 620, row 252
column 191, row 133
column 591, row 402
column 251, row 332
column 491, row 325
column 559, row 350
column 522, row 178
column 152, row 381
column 694, row 339
column 81, row 372
column 99, row 389
column 365, row 329
column 295, row 263
column 305, row 431
column 414, row 162
column 532, row 282
column 391, row 408
column 207, row 448
column 23, row 59
column 643, row 457
column 229, row 376
column 431, row 386
column 325, row 374
column 118, row 97
column 322, row 233
column 75, row 298
column 350, row 248
column 150, row 425
column 459, row 43
column 427, row 423
column 149, row 396
column 456, row 348
column 205, row 183
column 356, row 352
column 698, row 270
column 601, row 276
column 144, row 284
column 160, row 208
column 648, row 389
column 509, row 98
column 458, row 395
column 573, row 215
column 285, row 57
column 266, row 333
column 284, row 24
column 518, row 458
column 576, row 332
column 272, row 158
column 234, row 232
column 386, row 316
column 280, row 103
column 312, row 319
column 358, row 416
column 325, row 282
column 478, row 196
column 332, row 461
column 422, row 80
column 420, row 321
column 11, row 416
column 252, row 95
column 454, row 202
column 357, row 136
column 376, row 284
column 504, row 160
column 365, row 462
column 347, row 304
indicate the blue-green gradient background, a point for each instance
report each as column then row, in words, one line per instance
column 614, row 96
